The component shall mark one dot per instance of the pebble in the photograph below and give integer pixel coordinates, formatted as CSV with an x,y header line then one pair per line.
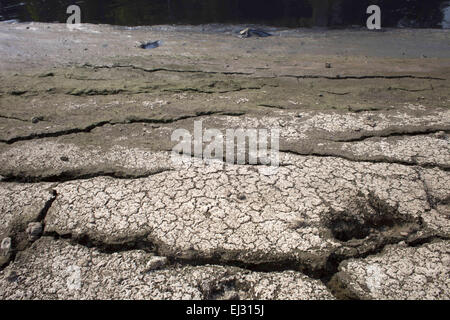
x,y
156,262
11,276
403,234
36,119
440,135
6,245
327,65
34,230
242,196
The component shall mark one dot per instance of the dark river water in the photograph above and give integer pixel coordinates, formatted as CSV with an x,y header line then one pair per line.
x,y
287,13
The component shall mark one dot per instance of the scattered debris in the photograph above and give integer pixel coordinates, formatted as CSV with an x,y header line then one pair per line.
x,y
241,100
149,45
247,33
158,103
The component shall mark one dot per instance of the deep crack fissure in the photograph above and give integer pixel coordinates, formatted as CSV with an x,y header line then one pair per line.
x,y
396,133
41,219
145,243
372,160
87,65
349,77
91,127
337,77
73,175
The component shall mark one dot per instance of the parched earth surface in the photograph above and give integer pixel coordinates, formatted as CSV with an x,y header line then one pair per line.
x,y
92,205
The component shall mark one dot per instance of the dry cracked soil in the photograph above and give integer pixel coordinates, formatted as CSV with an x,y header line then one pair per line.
x,y
93,207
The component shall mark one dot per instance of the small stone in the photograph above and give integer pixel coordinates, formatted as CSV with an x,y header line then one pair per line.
x,y
46,74
156,262
298,223
37,119
440,135
11,276
403,234
242,196
64,158
34,230
327,65
299,115
5,246
230,295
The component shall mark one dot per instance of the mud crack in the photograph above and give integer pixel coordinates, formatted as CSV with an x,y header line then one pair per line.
x,y
350,77
72,175
91,127
20,240
160,69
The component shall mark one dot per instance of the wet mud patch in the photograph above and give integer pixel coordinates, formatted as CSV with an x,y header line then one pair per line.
x,y
227,288
369,217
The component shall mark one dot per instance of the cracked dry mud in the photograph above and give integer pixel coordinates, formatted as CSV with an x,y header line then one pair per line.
x,y
92,207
